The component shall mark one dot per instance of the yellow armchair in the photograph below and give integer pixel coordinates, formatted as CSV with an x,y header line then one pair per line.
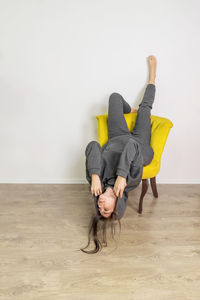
x,y
160,128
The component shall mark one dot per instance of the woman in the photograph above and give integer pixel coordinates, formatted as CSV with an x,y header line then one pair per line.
x,y
118,165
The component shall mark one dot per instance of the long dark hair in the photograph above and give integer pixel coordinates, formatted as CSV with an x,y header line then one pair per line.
x,y
99,225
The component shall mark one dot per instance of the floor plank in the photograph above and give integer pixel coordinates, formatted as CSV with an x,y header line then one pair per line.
x,y
43,226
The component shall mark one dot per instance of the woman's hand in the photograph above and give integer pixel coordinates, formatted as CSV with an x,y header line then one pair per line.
x,y
119,186
96,187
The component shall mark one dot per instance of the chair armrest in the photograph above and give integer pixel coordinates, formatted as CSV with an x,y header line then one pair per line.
x,y
159,133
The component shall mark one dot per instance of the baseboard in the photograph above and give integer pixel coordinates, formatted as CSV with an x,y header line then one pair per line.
x,y
84,181
178,181
53,181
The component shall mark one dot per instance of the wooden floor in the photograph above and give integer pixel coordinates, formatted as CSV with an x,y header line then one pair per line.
x,y
42,228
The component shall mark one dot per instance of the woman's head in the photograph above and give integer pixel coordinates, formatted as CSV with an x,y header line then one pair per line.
x,y
107,216
107,202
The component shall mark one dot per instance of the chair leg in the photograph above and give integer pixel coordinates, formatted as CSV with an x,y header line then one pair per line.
x,y
154,187
144,190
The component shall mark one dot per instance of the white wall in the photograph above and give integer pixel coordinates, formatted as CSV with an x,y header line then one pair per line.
x,y
61,59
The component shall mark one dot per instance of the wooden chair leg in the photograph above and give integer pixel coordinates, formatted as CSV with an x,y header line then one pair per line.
x,y
154,187
145,185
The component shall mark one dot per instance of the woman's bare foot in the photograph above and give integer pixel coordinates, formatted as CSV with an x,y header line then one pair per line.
x,y
152,68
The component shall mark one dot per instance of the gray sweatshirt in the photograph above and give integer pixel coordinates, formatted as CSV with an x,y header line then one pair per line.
x,y
121,155
124,154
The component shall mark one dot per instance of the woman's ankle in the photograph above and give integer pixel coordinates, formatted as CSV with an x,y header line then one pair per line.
x,y
151,82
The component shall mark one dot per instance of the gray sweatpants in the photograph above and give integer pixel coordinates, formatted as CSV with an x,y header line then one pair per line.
x,y
142,131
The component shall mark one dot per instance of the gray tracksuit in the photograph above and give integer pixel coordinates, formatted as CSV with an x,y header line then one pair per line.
x,y
125,153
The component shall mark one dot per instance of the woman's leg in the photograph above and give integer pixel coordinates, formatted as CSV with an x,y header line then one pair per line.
x,y
116,122
142,129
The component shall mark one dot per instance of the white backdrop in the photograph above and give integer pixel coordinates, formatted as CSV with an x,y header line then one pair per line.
x,y
61,59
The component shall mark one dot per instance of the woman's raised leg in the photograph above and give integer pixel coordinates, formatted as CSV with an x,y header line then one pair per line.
x,y
142,129
116,122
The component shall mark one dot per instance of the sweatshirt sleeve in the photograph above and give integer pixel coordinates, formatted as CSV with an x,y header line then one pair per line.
x,y
93,153
128,155
131,165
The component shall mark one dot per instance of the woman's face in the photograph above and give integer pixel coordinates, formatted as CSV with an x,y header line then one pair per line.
x,y
106,204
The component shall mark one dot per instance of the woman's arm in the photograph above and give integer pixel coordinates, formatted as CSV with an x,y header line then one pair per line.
x,y
93,164
120,184
96,187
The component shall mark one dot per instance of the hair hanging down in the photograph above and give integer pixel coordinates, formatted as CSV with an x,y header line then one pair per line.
x,y
99,224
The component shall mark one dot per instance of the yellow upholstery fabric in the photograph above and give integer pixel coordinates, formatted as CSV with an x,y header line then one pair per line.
x,y
160,128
